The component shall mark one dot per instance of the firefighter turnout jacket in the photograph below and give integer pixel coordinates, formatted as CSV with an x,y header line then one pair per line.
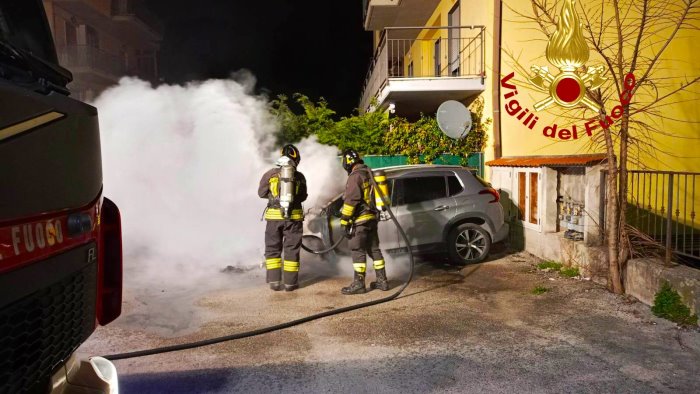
x,y
270,188
358,205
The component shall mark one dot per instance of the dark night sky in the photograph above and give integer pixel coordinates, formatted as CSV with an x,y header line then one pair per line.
x,y
315,47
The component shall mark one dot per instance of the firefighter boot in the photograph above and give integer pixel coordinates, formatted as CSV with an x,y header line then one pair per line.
x,y
357,286
381,283
276,286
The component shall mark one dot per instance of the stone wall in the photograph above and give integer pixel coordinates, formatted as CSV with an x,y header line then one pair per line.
x,y
643,279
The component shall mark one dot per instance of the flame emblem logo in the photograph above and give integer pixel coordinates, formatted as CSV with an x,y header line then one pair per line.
x,y
568,51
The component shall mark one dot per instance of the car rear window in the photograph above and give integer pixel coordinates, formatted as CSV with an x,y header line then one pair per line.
x,y
453,185
419,189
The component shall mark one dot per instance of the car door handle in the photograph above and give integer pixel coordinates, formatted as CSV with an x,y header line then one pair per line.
x,y
442,208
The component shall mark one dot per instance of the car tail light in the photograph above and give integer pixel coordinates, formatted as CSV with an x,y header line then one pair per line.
x,y
493,192
109,297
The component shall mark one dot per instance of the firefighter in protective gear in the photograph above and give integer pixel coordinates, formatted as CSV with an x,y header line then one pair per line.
x,y
283,233
359,217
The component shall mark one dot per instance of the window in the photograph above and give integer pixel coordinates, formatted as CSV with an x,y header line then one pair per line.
x,y
454,186
390,187
522,194
454,41
528,197
146,64
91,37
71,34
436,55
419,189
533,216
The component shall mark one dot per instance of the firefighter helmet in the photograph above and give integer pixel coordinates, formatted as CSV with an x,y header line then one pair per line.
x,y
350,158
292,152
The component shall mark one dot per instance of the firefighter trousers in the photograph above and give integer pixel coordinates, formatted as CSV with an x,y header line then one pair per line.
x,y
283,235
365,241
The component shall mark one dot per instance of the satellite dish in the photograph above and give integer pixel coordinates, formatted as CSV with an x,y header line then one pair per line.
x,y
454,119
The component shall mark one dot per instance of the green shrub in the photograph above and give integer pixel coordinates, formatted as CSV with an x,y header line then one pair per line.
x,y
569,272
374,132
552,265
539,290
424,137
668,305
315,118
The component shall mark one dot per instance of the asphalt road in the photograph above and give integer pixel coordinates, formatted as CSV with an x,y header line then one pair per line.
x,y
478,329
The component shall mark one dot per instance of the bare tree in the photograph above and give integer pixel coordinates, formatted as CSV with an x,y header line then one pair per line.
x,y
630,37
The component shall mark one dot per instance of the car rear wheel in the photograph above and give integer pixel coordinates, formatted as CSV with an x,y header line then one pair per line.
x,y
468,243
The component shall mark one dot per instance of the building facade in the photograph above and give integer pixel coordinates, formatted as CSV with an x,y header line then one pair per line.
x,y
546,160
100,41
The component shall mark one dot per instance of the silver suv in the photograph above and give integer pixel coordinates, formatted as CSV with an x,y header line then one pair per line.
x,y
442,209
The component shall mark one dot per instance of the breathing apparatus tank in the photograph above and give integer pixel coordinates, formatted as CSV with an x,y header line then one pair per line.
x,y
383,185
286,183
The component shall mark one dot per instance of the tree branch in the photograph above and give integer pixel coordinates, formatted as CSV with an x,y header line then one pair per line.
x,y
683,87
619,37
642,25
689,6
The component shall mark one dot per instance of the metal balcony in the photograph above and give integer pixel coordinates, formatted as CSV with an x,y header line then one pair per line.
x,y
87,59
127,20
417,68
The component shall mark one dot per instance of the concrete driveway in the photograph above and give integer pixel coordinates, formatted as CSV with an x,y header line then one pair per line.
x,y
476,329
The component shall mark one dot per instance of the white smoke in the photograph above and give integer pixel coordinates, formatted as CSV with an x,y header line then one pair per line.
x,y
183,164
324,174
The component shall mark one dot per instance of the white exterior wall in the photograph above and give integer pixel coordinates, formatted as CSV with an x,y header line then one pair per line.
x,y
543,240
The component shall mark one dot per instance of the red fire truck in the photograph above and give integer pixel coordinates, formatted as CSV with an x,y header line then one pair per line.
x,y
60,239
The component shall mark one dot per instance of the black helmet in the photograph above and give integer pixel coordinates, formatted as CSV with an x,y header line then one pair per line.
x,y
350,158
292,152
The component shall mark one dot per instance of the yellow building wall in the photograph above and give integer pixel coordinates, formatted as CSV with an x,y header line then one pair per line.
x,y
676,148
524,44
472,13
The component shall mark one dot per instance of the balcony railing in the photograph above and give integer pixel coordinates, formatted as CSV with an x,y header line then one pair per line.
x,y
136,9
76,57
425,52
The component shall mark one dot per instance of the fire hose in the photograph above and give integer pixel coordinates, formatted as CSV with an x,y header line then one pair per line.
x,y
292,323
324,251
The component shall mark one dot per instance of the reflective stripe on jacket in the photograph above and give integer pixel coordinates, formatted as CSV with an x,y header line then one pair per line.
x,y
357,203
276,214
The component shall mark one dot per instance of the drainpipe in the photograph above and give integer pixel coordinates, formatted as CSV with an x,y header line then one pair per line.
x,y
496,79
